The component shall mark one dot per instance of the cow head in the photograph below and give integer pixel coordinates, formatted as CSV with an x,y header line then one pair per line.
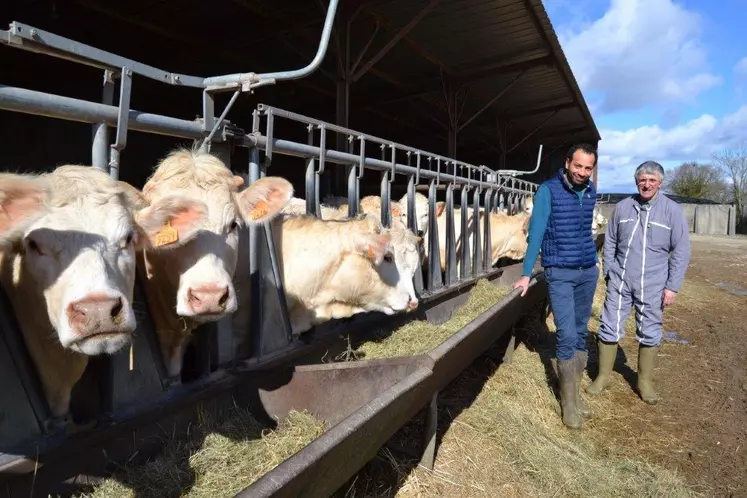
x,y
367,276
199,274
421,213
513,232
399,273
79,252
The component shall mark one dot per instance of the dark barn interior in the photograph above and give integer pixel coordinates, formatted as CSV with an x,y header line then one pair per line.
x,y
481,81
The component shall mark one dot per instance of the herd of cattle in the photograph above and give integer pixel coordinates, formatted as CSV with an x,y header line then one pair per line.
x,y
74,239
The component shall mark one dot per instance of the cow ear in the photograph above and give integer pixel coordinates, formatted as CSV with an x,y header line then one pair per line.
x,y
373,246
21,202
170,222
440,206
264,199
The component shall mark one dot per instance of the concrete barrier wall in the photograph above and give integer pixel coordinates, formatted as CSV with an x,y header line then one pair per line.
x,y
702,219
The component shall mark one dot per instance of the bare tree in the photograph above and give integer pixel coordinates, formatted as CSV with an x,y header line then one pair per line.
x,y
734,163
702,181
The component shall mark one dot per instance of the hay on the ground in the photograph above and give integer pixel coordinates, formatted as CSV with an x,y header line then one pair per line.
x,y
510,441
420,336
219,459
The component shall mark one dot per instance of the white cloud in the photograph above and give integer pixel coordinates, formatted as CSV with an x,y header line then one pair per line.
x,y
640,53
621,151
741,67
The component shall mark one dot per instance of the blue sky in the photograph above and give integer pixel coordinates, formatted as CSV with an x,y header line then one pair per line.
x,y
665,80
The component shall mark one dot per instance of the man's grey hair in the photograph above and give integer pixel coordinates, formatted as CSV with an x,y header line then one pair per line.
x,y
650,168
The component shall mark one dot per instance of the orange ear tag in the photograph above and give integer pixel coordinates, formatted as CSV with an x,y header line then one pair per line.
x,y
167,235
260,209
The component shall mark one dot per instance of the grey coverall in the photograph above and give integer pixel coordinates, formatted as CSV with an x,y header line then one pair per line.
x,y
646,250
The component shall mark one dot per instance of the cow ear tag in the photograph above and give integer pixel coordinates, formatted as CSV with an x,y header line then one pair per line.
x,y
259,210
167,235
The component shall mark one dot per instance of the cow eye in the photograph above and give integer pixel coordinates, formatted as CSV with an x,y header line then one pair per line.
x,y
129,239
233,226
389,257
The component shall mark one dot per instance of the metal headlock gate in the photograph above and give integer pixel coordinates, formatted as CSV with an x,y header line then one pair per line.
x,y
368,401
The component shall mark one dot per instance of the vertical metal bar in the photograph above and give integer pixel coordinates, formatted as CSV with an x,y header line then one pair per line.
x,y
488,248
208,111
412,220
451,266
256,317
464,259
385,209
125,90
311,185
353,186
100,147
476,246
434,257
320,170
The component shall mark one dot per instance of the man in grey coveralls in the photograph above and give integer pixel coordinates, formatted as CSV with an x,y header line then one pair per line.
x,y
646,253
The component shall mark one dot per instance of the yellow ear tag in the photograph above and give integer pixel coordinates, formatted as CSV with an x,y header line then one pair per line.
x,y
260,209
167,235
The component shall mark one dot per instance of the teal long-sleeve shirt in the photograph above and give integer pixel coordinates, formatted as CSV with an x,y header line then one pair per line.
x,y
538,225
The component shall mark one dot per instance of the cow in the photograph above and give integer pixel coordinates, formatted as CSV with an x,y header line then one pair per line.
x,y
598,221
335,269
421,212
508,235
71,245
192,284
370,204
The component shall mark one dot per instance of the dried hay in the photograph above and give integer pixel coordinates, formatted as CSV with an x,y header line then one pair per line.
x,y
420,336
502,436
220,458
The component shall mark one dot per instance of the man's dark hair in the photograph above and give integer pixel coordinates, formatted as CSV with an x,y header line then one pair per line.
x,y
585,148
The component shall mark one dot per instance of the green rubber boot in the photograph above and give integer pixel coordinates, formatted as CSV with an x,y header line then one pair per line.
x,y
646,362
583,408
568,396
607,354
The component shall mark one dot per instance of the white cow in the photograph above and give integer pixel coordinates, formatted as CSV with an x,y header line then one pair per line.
x,y
192,284
75,252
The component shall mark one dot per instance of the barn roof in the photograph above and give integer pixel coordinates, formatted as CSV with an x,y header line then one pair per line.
x,y
485,65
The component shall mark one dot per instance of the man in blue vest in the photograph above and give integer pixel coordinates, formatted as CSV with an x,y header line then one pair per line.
x,y
561,226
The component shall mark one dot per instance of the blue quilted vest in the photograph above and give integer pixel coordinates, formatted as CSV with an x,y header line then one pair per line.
x,y
568,242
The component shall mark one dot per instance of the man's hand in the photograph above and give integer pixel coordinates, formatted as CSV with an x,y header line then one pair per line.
x,y
523,282
668,298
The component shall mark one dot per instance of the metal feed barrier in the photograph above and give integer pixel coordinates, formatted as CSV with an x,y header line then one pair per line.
x,y
131,399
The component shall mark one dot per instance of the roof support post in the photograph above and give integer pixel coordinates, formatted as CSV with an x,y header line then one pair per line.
x,y
502,128
343,23
396,38
453,118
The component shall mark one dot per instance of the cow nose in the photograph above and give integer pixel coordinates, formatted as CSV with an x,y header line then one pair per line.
x,y
412,305
208,299
95,314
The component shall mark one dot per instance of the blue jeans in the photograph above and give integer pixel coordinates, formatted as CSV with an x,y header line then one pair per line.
x,y
571,294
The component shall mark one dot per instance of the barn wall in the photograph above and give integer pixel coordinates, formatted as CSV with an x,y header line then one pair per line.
x,y
702,219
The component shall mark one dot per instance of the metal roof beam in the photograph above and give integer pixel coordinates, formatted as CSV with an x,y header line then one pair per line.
x,y
430,85
481,73
401,33
492,101
531,111
529,135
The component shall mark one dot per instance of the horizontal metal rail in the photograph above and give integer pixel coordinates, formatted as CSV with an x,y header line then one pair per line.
x,y
25,37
